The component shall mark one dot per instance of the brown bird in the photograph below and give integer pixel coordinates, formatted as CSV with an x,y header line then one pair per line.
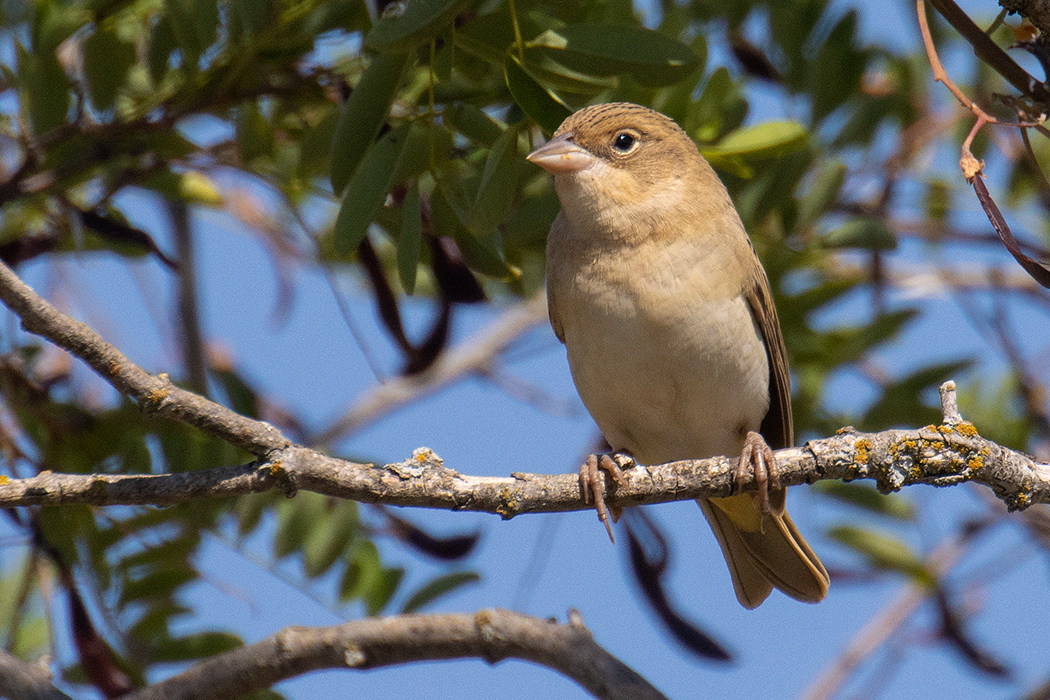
x,y
672,337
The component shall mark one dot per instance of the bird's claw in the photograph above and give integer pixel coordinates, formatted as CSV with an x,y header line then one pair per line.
x,y
756,457
591,486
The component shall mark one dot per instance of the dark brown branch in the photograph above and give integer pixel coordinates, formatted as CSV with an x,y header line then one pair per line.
x,y
1039,272
990,52
492,635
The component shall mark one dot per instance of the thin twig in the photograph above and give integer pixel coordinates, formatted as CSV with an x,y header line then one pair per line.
x,y
969,164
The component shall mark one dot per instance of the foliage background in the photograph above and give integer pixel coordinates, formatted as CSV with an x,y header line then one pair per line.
x,y
139,117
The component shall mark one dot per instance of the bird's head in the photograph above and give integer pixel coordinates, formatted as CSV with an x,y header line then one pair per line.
x,y
620,162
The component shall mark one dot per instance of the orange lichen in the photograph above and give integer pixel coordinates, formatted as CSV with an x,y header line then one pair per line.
x,y
862,449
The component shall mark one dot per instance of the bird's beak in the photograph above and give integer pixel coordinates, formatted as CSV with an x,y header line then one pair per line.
x,y
561,155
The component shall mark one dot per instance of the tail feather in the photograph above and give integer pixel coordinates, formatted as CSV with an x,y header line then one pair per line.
x,y
761,558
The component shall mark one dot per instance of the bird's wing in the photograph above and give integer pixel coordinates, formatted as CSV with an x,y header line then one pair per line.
x,y
553,272
777,426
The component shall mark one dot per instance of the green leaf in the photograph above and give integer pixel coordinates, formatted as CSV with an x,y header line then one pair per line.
x,y
427,148
884,552
162,42
720,109
563,78
540,104
473,123
297,519
651,58
409,241
362,570
825,190
46,89
363,115
868,498
248,18
107,60
368,190
250,510
195,24
829,86
405,24
331,539
479,256
442,585
383,589
195,646
899,404
868,233
767,140
160,584
253,134
498,185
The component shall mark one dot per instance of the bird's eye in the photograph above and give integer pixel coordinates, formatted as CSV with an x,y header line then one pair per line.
x,y
624,142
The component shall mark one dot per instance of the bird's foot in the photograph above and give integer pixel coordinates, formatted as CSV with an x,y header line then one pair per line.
x,y
591,484
758,458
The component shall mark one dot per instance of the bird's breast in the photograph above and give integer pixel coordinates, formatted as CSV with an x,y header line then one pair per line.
x,y
663,349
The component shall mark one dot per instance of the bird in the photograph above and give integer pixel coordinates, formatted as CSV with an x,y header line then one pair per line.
x,y
670,329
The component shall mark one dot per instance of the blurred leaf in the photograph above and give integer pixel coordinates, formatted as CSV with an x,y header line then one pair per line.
x,y
720,109
611,49
477,254
498,184
368,189
162,42
409,241
540,104
362,570
884,552
363,115
440,586
406,24
767,140
825,190
46,89
253,134
250,510
836,72
107,60
159,584
195,24
383,588
194,646
475,124
899,403
191,186
868,498
560,77
868,233
297,520
331,538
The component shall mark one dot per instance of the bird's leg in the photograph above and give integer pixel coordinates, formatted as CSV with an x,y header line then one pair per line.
x,y
758,458
590,484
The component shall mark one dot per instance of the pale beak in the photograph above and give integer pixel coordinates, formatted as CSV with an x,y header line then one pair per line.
x,y
561,155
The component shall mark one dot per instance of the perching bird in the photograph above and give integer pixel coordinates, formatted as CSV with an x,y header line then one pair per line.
x,y
668,321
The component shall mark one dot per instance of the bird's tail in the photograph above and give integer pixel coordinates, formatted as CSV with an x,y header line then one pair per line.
x,y
764,552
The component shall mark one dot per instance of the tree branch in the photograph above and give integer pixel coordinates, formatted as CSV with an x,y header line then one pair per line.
x,y
154,393
26,681
938,455
491,634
